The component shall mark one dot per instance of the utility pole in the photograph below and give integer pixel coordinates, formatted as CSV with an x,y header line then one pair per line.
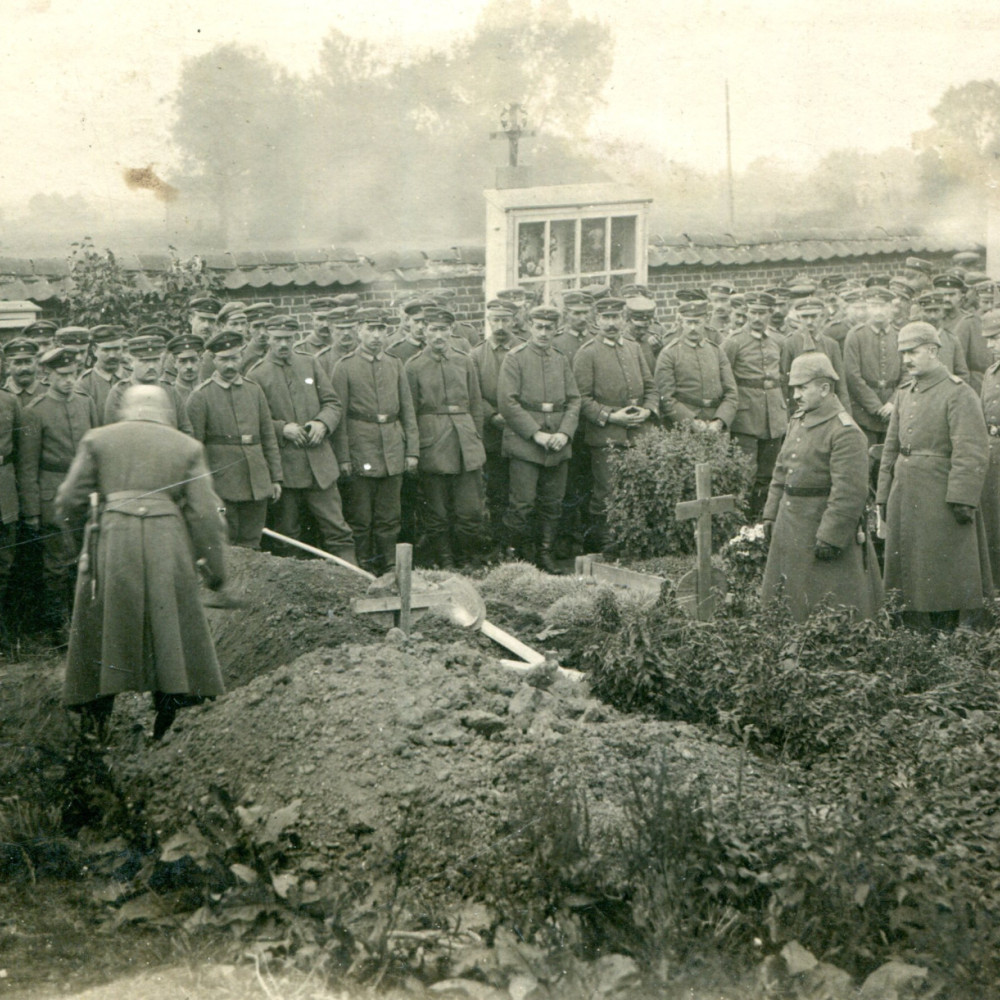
x,y
729,164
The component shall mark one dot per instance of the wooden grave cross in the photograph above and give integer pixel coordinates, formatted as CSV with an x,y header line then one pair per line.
x,y
702,508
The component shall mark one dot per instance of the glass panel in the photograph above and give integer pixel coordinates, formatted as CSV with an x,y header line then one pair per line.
x,y
556,289
535,290
530,243
592,242
623,242
562,251
619,281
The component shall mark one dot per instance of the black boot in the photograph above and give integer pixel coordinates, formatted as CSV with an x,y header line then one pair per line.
x,y
546,562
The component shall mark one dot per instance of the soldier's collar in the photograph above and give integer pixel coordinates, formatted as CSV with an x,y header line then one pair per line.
x,y
368,356
107,376
610,341
939,374
826,410
219,380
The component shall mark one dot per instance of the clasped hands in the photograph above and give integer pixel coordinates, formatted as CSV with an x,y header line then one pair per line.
x,y
306,435
550,442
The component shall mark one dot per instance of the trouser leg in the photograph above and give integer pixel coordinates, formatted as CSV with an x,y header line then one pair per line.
x,y
548,503
497,488
411,509
467,505
519,519
385,520
246,519
575,517
327,510
436,491
60,548
360,494
600,472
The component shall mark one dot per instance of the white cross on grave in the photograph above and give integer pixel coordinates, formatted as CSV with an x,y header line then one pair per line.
x,y
697,589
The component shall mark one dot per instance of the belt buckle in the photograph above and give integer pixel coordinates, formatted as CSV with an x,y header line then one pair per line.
x,y
453,408
633,402
548,407
246,439
882,383
994,432
706,403
382,418
769,383
905,450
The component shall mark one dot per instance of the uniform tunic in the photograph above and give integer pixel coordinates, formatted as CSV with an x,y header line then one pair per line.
x,y
25,396
97,384
145,629
817,494
569,342
11,432
695,382
330,356
800,342
990,504
936,453
234,423
756,362
968,333
872,369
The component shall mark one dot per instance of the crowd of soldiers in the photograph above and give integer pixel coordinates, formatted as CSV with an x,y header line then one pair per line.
x,y
365,426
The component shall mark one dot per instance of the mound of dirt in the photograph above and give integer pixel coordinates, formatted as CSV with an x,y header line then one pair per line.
x,y
439,734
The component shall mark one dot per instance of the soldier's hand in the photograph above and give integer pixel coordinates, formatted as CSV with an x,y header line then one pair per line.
x,y
621,417
275,492
345,470
558,441
886,411
316,431
295,433
962,513
825,552
541,438
411,463
699,425
497,420
33,523
716,426
768,527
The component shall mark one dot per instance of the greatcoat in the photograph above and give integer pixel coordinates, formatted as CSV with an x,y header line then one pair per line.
x,y
817,494
144,628
936,452
990,504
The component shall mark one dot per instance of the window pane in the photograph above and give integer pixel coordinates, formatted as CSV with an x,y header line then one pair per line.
x,y
619,281
530,241
557,289
592,239
623,242
562,250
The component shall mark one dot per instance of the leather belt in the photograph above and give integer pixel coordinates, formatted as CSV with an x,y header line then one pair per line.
x,y
451,410
759,383
241,439
373,418
544,407
908,451
139,503
807,491
882,383
698,404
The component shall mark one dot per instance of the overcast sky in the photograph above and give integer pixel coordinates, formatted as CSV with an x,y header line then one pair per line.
x,y
85,82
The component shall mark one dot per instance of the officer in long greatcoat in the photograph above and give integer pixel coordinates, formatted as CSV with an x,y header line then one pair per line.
x,y
930,484
449,408
376,441
540,404
305,411
819,551
138,623
230,416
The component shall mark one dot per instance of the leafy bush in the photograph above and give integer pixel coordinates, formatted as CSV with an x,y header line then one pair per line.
x,y
650,479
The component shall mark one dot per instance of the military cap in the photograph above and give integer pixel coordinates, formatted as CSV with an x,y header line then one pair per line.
x,y
991,323
808,305
738,301
609,306
597,291
445,294
950,281
439,315
282,321
919,264
512,294
59,356
879,293
106,333
224,340
691,295
257,312
73,336
576,297
696,308
148,341
40,328
498,305
322,304
641,304
810,365
229,310
853,293
422,302
931,298
903,286
877,281
832,281
343,316
973,279
20,347
914,334
546,313
759,299
801,290
186,342
346,300
721,288
205,305
966,258
371,315
635,292
779,292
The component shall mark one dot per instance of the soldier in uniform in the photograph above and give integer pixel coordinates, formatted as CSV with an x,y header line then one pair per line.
x,y
43,333
693,377
933,310
465,336
305,411
449,407
413,338
872,370
762,415
990,503
488,358
11,434
519,299
719,310
540,406
930,483
966,329
54,425
344,338
639,314
618,399
808,315
186,350
577,323
77,340
255,348
230,416
108,344
819,551
145,351
138,622
320,337
20,357
202,311
375,442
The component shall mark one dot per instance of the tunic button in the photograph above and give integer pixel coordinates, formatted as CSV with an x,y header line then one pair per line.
x,y
143,510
